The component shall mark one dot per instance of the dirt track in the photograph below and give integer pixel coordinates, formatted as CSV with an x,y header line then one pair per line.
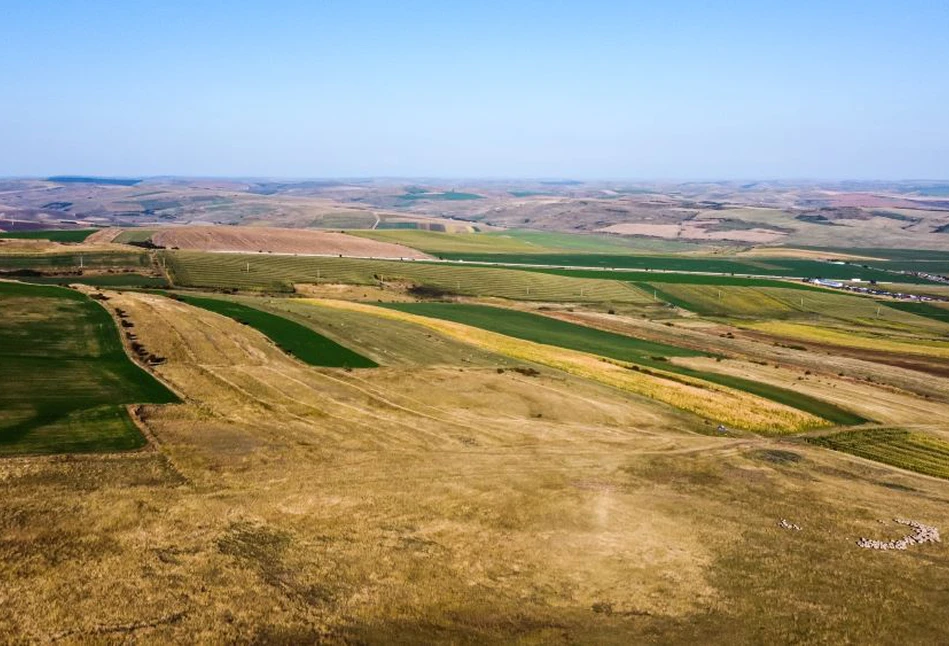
x,y
258,239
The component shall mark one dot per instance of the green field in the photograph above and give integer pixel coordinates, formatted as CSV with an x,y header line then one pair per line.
x,y
934,312
900,448
72,261
520,242
291,337
65,375
550,331
930,261
74,235
674,277
344,220
778,267
391,342
103,280
541,329
134,235
279,273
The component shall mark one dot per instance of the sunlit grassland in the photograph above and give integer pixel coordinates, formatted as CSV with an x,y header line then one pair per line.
x,y
649,354
708,400
389,342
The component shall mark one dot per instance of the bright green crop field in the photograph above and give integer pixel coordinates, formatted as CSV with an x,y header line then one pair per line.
x,y
102,280
53,235
291,337
65,375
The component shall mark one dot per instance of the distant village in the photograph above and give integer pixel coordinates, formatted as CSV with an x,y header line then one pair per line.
x,y
871,287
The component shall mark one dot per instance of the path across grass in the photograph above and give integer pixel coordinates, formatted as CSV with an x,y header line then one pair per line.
x,y
549,331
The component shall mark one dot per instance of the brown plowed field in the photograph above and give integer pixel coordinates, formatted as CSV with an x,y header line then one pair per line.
x,y
264,239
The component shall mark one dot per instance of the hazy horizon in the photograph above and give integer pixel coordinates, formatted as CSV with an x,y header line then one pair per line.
x,y
604,91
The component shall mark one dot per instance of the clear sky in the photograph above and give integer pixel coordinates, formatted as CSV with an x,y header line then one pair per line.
x,y
593,89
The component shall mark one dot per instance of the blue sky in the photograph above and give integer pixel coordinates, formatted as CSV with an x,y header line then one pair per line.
x,y
596,89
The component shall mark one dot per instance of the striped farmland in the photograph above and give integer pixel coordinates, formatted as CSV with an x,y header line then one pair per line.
x,y
279,272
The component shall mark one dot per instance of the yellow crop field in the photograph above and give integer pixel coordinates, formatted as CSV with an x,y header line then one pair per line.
x,y
718,403
850,339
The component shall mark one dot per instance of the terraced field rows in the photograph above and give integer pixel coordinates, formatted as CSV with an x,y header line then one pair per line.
x,y
904,449
71,261
778,303
279,273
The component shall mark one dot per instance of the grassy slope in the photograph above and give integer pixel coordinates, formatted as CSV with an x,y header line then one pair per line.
x,y
292,337
75,235
541,329
390,342
923,309
905,449
65,375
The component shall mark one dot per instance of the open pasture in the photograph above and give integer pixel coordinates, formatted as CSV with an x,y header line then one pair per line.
x,y
66,376
279,273
901,448
389,342
556,332
703,398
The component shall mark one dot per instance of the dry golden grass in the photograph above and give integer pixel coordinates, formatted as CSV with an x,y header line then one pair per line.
x,y
718,403
287,504
881,403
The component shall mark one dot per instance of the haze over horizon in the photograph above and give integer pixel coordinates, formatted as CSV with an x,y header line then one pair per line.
x,y
606,89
